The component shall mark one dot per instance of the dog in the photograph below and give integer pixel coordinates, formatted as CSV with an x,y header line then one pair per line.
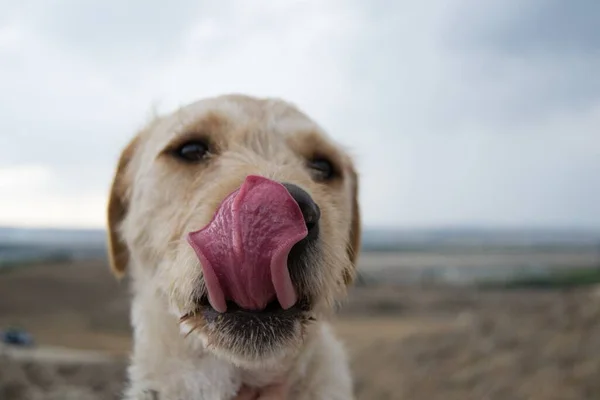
x,y
237,221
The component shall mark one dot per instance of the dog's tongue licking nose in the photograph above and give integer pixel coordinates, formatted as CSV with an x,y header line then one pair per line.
x,y
244,249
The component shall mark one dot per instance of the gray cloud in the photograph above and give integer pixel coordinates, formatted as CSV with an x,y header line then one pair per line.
x,y
118,31
527,59
456,113
551,28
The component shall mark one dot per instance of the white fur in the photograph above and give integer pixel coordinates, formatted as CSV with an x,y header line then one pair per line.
x,y
168,364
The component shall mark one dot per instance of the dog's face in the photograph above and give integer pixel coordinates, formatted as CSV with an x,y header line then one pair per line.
x,y
196,209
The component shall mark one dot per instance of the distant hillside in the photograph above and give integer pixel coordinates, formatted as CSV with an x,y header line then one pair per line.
x,y
94,240
26,245
455,255
52,236
472,238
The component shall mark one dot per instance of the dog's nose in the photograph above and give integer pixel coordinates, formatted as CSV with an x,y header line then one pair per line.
x,y
310,209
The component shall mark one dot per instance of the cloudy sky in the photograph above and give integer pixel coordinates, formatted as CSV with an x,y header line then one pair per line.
x,y
458,112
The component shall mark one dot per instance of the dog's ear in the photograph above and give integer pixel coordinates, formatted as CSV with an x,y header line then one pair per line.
x,y
354,241
118,204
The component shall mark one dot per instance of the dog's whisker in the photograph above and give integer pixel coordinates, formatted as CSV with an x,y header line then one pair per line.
x,y
177,241
198,325
185,318
188,316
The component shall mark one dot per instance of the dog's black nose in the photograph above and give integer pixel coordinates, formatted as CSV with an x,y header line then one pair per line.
x,y
310,209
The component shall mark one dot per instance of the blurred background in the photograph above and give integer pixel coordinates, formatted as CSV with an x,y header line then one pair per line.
x,y
475,128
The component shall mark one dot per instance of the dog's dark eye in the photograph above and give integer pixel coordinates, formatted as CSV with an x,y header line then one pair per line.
x,y
194,151
322,169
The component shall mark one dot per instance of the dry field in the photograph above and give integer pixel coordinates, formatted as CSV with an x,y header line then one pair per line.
x,y
405,343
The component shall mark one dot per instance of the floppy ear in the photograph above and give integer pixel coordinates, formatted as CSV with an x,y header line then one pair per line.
x,y
118,204
353,246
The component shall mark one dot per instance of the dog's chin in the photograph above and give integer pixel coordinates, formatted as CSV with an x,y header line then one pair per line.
x,y
251,338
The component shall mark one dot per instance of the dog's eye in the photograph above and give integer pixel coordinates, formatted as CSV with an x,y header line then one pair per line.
x,y
193,151
322,169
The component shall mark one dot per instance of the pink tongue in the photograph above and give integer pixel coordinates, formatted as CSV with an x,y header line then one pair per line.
x,y
243,250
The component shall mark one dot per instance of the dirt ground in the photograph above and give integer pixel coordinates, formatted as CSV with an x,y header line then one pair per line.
x,y
404,343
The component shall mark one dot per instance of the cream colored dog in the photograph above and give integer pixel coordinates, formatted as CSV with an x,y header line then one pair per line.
x,y
238,220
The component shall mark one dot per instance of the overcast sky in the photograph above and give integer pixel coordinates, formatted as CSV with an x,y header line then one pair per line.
x,y
458,112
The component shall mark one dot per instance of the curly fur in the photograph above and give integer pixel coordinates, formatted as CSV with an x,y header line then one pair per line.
x,y
182,351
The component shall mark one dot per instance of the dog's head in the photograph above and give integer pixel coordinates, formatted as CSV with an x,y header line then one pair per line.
x,y
243,216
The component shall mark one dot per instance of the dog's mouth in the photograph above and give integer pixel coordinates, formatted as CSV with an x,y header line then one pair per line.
x,y
252,305
243,250
272,311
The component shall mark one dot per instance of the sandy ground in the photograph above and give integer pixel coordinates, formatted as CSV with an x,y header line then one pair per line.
x,y
404,343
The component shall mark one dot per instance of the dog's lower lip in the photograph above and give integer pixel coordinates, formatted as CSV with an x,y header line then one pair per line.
x,y
272,309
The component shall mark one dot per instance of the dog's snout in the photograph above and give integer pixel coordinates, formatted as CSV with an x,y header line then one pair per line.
x,y
310,209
